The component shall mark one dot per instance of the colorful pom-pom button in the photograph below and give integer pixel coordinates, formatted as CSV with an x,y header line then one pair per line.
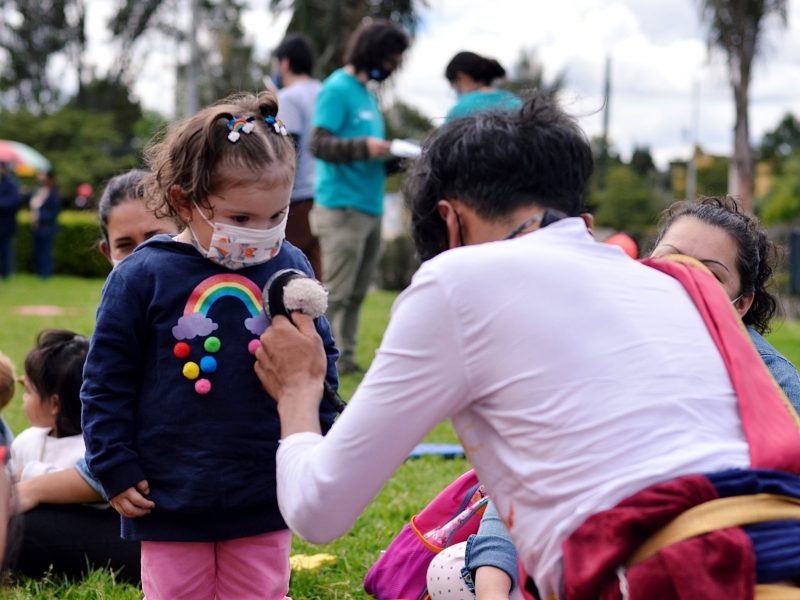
x,y
191,370
182,350
208,364
253,346
212,344
202,386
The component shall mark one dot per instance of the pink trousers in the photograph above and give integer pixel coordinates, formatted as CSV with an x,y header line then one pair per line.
x,y
251,568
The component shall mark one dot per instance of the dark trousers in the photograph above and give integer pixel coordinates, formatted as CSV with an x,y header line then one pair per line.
x,y
298,232
43,252
67,536
6,255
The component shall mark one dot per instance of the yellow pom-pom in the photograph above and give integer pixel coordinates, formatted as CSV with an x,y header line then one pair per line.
x,y
191,370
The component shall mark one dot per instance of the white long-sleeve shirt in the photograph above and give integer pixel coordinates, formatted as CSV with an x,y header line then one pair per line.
x,y
574,377
35,452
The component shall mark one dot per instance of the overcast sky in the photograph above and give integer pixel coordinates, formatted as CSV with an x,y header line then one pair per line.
x,y
657,48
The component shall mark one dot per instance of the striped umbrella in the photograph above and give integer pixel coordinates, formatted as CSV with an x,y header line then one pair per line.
x,y
27,161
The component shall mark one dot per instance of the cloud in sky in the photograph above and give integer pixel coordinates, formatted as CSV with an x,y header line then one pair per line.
x,y
657,47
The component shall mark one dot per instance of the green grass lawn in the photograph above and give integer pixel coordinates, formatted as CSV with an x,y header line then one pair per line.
x,y
407,492
414,485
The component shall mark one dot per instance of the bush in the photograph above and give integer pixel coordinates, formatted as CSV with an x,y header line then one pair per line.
x,y
75,249
398,264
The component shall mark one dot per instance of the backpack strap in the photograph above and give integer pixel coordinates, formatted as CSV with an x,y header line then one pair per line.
x,y
771,426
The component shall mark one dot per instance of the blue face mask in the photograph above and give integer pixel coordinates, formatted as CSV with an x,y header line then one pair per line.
x,y
276,78
379,74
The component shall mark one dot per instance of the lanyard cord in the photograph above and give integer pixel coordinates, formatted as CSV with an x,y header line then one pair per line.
x,y
524,226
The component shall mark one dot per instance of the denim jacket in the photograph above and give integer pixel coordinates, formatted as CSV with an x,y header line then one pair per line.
x,y
782,370
490,547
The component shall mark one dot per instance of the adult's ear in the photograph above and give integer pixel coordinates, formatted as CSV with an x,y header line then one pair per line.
x,y
106,250
744,304
588,218
448,213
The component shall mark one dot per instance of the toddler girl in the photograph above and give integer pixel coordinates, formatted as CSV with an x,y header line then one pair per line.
x,y
178,429
53,373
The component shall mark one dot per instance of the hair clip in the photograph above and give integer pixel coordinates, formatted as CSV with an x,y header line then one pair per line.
x,y
238,124
277,125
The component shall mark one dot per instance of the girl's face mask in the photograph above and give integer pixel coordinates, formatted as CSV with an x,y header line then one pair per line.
x,y
238,247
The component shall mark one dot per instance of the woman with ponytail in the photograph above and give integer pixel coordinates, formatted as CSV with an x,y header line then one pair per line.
x,y
739,253
471,76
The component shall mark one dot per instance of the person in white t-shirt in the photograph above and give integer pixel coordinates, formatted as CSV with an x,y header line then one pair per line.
x,y
574,376
294,60
52,380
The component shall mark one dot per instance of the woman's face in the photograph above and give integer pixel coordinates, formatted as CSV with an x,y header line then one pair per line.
x,y
711,246
130,224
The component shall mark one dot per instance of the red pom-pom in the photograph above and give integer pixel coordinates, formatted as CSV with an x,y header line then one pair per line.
x,y
182,350
253,346
202,386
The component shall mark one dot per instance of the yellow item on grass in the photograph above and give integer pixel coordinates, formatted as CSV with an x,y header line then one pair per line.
x,y
304,562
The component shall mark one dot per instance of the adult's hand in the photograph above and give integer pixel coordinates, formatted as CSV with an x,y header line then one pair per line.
x,y
291,365
377,147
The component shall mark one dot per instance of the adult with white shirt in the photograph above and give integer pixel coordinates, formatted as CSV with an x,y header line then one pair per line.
x,y
574,376
294,59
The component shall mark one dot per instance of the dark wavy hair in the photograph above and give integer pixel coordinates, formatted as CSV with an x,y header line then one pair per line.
x,y
54,367
496,162
757,255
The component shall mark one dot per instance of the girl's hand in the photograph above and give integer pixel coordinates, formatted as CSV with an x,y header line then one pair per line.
x,y
131,503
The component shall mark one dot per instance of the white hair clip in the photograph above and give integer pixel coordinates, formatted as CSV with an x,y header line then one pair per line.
x,y
238,124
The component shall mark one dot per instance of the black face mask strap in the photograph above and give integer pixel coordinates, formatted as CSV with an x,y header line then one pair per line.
x,y
523,226
460,231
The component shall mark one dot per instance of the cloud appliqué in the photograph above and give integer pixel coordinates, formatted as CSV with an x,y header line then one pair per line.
x,y
195,324
258,324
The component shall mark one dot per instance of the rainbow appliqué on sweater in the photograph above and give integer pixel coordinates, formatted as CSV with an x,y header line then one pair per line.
x,y
195,323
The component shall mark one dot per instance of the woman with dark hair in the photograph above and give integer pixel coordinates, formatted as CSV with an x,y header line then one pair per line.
x,y
739,253
571,396
348,140
471,76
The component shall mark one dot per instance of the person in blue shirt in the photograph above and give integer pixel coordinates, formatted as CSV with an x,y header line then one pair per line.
x,y
45,205
739,252
471,76
348,141
10,201
178,428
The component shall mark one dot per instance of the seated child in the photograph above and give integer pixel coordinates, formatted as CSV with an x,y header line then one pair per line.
x,y
53,377
8,379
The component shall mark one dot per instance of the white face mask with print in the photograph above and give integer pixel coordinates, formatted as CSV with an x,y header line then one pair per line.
x,y
238,247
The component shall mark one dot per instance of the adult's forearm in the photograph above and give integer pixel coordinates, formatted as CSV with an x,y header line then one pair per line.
x,y
326,146
61,487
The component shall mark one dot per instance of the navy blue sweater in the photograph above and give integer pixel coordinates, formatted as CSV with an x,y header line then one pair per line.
x,y
172,324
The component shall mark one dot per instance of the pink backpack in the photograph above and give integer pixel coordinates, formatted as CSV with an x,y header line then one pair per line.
x,y
450,518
